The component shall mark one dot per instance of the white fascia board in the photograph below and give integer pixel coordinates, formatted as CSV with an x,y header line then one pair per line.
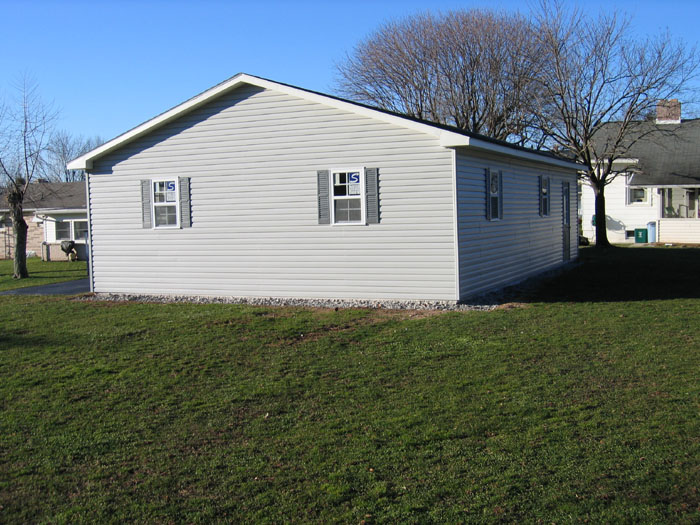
x,y
524,154
665,186
620,163
60,211
449,139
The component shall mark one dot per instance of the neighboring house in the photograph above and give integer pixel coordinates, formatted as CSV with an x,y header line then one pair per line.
x,y
53,211
658,182
258,189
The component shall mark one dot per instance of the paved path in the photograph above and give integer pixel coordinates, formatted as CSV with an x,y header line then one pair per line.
x,y
67,288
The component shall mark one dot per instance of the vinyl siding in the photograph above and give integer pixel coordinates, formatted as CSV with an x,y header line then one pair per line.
x,y
493,254
679,230
253,156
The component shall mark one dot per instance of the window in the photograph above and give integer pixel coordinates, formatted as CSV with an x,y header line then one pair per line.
x,y
494,195
63,230
165,204
80,230
544,196
348,196
637,195
71,230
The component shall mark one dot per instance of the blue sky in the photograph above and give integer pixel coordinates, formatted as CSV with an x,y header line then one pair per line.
x,y
108,66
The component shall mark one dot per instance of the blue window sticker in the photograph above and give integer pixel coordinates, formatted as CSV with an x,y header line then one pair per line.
x,y
354,178
171,185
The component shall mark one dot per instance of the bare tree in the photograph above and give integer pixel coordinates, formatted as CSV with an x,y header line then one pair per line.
x,y
25,129
470,69
62,148
597,76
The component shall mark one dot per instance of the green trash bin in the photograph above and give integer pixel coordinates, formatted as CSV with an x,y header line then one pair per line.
x,y
640,235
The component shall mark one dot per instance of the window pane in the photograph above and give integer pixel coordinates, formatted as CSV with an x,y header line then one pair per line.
x,y
494,183
164,191
166,215
340,190
346,183
158,192
348,210
63,231
80,230
494,208
637,194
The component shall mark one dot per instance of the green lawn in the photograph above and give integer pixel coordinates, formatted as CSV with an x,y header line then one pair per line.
x,y
41,272
567,407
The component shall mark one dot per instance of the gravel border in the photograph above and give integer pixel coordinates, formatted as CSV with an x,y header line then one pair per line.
x,y
288,301
485,302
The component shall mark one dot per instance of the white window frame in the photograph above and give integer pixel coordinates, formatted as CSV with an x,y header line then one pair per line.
x,y
628,200
72,230
362,196
155,204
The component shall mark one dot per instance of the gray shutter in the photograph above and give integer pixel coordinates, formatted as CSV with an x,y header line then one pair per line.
x,y
372,195
146,204
500,195
324,209
488,194
539,193
185,208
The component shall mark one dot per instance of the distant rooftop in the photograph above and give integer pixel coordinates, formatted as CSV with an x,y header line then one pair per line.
x,y
51,196
667,153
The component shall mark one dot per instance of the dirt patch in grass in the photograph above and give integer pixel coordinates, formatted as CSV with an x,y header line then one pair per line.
x,y
512,306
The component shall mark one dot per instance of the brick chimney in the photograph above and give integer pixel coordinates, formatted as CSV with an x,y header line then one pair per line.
x,y
668,111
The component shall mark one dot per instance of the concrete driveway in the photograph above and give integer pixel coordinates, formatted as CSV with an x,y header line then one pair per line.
x,y
67,288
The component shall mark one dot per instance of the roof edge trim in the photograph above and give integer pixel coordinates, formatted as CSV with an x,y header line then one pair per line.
x,y
525,155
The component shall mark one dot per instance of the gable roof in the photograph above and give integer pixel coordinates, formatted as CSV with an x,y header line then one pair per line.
x,y
51,196
665,154
449,136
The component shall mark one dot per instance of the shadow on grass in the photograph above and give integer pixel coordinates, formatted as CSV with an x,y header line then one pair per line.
x,y
22,339
53,275
622,274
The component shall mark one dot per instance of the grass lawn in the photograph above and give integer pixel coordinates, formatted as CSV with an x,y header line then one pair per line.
x,y
579,404
41,272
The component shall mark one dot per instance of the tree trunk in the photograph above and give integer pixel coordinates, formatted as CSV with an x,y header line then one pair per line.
x,y
601,230
20,229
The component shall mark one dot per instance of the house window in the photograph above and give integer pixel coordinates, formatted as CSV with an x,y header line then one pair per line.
x,y
80,230
348,195
629,234
637,195
71,230
544,196
494,195
165,204
63,230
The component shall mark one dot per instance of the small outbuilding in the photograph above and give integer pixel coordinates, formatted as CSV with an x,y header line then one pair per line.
x,y
260,189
